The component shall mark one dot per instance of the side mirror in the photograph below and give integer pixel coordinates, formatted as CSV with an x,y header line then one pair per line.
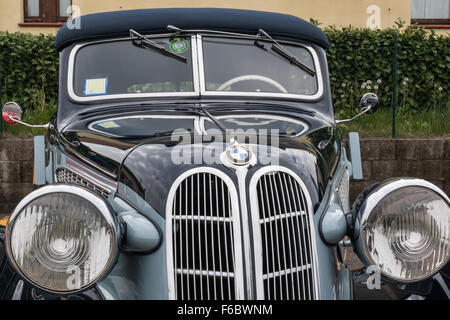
x,y
12,112
369,103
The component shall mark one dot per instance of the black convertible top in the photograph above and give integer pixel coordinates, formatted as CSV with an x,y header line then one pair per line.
x,y
118,23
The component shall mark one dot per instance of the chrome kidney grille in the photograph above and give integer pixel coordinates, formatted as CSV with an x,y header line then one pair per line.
x,y
204,250
282,228
203,224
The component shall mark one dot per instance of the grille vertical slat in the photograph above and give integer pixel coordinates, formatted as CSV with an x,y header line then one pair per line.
x,y
199,239
225,242
213,245
306,245
201,257
299,224
292,209
284,237
286,212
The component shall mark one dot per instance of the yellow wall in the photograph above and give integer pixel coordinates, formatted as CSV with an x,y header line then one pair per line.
x,y
338,12
328,12
11,13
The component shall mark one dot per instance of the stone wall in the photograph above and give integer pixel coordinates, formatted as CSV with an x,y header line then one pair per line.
x,y
16,172
382,158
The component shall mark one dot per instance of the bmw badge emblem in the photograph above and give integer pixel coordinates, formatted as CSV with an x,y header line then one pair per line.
x,y
238,155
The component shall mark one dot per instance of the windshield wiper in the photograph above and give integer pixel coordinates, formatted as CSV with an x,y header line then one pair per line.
x,y
201,110
145,42
285,53
213,119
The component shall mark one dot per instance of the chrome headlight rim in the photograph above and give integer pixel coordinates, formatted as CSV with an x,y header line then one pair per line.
x,y
96,200
377,193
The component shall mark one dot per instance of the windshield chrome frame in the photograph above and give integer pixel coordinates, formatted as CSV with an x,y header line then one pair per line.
x,y
186,94
197,74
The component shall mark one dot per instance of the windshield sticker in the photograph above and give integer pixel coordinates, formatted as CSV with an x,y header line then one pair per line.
x,y
178,45
108,124
95,86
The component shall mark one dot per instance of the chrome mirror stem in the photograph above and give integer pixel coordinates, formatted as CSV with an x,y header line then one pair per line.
x,y
42,126
350,119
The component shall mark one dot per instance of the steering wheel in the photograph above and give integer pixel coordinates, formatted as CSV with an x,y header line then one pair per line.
x,y
230,82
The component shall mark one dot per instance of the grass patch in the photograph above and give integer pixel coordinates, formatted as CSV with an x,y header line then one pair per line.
x,y
408,124
35,116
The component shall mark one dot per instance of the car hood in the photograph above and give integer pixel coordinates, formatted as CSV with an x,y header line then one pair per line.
x,y
148,164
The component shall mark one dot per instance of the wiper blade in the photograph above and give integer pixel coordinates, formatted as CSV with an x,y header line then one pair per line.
x,y
142,41
201,110
214,119
285,53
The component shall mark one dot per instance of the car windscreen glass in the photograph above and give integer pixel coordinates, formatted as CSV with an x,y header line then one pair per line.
x,y
121,67
261,124
244,65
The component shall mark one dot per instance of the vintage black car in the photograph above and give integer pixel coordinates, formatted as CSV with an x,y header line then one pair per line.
x,y
195,155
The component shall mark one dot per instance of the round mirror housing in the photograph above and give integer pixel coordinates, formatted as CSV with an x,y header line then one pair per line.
x,y
12,112
369,102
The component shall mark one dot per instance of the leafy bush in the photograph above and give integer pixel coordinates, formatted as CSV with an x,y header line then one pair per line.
x,y
28,69
360,60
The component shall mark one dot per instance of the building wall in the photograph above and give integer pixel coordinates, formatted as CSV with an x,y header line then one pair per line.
x,y
328,12
11,14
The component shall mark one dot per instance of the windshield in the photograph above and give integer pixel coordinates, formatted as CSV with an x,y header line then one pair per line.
x,y
192,66
247,66
121,67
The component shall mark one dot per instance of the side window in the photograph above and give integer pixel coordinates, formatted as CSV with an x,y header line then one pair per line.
x,y
430,12
49,11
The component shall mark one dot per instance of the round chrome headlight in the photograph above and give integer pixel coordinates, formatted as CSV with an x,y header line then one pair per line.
x,y
405,229
62,238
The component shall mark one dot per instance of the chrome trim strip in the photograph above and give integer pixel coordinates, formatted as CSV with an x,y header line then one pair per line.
x,y
163,116
257,228
241,173
201,71
82,192
262,116
236,228
17,295
76,98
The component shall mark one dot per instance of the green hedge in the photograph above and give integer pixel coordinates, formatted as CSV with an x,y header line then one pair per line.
x,y
29,69
360,60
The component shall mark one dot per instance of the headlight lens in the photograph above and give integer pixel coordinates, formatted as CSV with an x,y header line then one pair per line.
x,y
62,241
407,233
